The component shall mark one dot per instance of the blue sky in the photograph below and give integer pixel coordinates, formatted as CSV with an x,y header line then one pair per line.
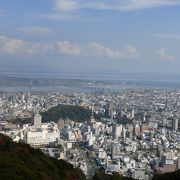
x,y
97,36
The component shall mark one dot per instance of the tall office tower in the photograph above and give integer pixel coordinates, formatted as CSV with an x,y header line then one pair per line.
x,y
175,122
37,120
136,129
1,103
116,131
132,114
109,110
115,149
93,120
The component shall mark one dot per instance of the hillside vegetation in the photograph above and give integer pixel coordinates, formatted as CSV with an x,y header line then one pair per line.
x,y
19,161
167,176
75,113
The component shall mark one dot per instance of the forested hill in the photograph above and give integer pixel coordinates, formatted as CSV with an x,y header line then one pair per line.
x,y
19,161
75,113
168,176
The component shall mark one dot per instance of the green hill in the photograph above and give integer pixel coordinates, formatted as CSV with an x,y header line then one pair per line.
x,y
75,113
167,176
19,161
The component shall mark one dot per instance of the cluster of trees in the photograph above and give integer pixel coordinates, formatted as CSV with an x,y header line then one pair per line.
x,y
100,175
167,176
75,113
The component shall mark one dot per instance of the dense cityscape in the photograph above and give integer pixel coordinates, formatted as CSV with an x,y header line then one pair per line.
x,y
134,132
89,90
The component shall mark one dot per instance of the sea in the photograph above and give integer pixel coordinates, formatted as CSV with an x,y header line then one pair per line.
x,y
101,82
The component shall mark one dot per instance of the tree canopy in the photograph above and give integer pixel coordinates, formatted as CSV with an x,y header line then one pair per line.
x,y
75,113
20,161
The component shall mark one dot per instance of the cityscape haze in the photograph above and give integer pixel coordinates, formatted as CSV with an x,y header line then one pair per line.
x,y
95,85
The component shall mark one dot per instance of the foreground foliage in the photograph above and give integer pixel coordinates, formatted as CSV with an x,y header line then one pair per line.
x,y
168,176
19,161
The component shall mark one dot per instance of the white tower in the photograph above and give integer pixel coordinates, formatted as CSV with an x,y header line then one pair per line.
x,y
132,113
175,124
116,131
37,120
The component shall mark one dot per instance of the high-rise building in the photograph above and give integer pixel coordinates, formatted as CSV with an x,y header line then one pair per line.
x,y
115,149
116,131
37,120
109,110
61,123
102,154
175,124
93,120
136,129
139,174
1,103
132,114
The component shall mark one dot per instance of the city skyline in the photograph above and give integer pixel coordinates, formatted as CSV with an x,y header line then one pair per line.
x,y
68,36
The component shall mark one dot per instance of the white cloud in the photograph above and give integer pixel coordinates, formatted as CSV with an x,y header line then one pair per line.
x,y
11,46
131,5
66,47
66,4
36,30
3,39
131,51
123,5
15,46
18,46
60,16
168,36
39,48
164,55
65,10
100,50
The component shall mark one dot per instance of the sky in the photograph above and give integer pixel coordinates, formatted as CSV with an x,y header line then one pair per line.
x,y
89,37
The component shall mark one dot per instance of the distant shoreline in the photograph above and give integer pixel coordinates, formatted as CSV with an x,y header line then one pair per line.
x,y
19,83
